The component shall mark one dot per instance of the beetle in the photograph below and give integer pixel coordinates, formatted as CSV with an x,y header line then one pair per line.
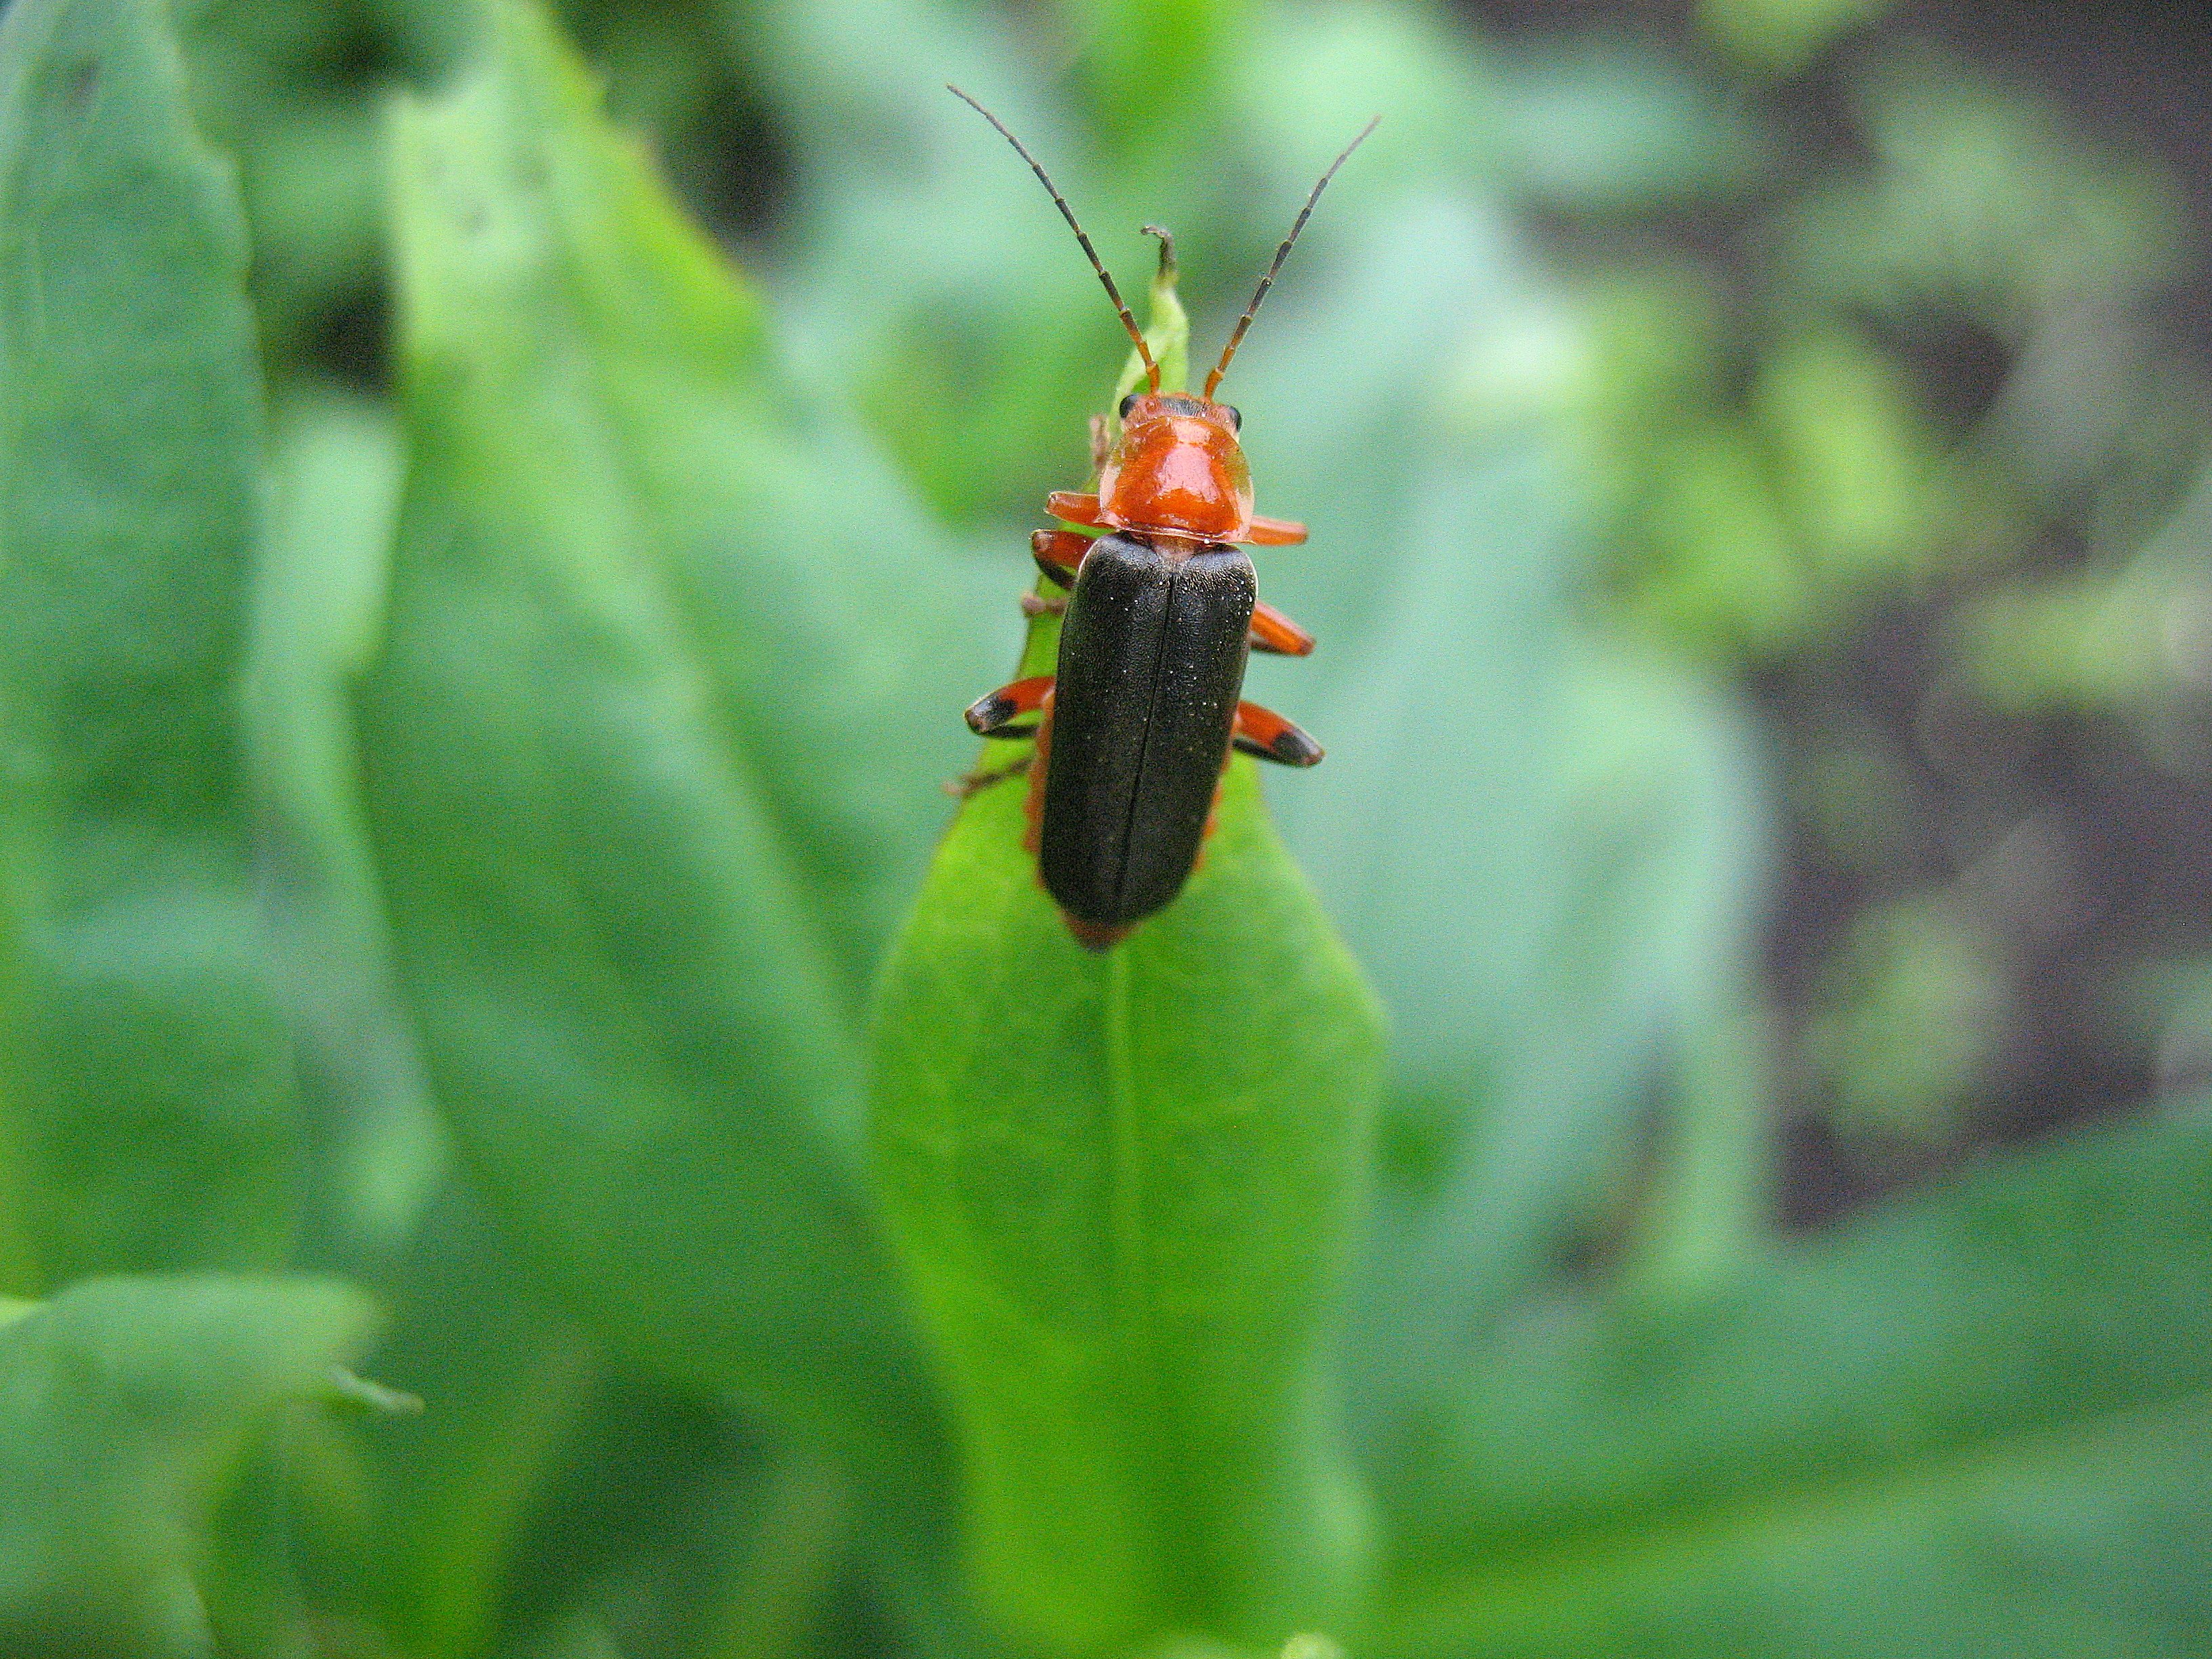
x,y
1136,723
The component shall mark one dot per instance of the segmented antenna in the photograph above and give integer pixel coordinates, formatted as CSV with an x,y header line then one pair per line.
x,y
1281,254
1152,368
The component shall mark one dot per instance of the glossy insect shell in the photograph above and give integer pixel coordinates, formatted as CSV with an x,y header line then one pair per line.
x,y
1152,660
1178,468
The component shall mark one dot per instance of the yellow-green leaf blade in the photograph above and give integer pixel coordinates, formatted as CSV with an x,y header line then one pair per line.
x,y
1125,1186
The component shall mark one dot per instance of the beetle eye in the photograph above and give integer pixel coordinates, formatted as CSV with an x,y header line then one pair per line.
x,y
1235,419
1127,404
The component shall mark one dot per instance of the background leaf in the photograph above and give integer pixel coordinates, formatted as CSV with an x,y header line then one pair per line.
x,y
640,778
1974,1422
504,1379
1488,1185
376,1147
147,1087
124,1404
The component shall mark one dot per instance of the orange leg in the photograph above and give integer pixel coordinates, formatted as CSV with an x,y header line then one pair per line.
x,y
987,716
1272,631
1263,732
1072,508
1057,552
1033,802
1276,533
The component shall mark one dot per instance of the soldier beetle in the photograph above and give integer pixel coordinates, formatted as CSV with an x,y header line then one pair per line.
x,y
1137,722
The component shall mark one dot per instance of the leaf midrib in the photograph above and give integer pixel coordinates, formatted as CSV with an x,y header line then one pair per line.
x,y
1136,1353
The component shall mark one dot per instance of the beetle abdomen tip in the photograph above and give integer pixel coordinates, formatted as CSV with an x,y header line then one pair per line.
x,y
1097,936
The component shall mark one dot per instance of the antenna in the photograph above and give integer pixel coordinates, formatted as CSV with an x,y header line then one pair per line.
x,y
1281,254
1152,368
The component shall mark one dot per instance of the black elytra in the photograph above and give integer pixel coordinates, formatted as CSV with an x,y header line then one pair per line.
x,y
1151,662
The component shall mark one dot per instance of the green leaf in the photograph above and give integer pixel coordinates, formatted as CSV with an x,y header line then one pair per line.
x,y
540,1484
1662,860
1178,52
124,1404
376,1144
504,1379
146,1080
1990,198
295,92
651,748
1857,461
1603,124
1124,1185
1784,37
1977,1421
1908,1026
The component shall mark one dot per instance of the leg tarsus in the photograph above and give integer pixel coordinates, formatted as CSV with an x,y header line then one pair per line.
x,y
987,715
1263,732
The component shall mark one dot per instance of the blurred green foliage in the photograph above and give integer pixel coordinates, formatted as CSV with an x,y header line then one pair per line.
x,y
464,762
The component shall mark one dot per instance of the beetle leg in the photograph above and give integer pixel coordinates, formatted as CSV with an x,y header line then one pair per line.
x,y
1274,632
1263,732
1033,606
974,782
987,716
1072,508
1057,552
1033,800
1275,533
